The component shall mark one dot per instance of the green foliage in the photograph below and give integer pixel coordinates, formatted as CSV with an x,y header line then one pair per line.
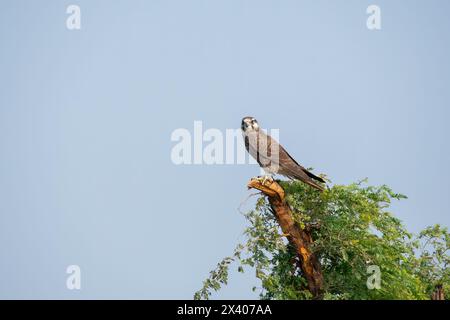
x,y
352,230
433,262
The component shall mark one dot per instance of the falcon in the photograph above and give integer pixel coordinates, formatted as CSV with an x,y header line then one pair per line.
x,y
272,157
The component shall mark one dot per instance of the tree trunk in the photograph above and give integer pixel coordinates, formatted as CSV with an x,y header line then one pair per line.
x,y
298,237
438,294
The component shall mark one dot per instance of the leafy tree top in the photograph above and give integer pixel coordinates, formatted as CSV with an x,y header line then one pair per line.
x,y
352,231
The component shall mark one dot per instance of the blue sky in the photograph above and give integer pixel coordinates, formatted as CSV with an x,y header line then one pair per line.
x,y
86,117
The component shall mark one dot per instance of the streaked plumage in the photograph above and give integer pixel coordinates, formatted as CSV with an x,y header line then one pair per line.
x,y
265,149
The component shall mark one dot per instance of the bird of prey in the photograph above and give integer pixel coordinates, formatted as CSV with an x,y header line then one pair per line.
x,y
272,157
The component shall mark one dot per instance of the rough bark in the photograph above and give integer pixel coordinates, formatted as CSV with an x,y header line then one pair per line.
x,y
438,294
298,237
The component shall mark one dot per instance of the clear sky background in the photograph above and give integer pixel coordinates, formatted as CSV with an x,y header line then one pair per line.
x,y
86,116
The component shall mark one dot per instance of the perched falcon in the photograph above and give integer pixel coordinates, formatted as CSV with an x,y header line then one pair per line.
x,y
272,157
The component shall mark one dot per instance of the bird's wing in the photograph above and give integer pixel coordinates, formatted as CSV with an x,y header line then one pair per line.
x,y
286,157
264,149
261,147
269,147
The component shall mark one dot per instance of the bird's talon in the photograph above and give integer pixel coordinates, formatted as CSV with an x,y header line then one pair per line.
x,y
267,179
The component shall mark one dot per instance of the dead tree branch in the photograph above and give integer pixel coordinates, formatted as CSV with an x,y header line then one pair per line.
x,y
298,237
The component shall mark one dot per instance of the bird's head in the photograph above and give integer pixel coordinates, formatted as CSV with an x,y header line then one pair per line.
x,y
249,124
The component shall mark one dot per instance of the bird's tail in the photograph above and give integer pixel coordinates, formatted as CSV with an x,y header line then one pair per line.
x,y
313,176
314,185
